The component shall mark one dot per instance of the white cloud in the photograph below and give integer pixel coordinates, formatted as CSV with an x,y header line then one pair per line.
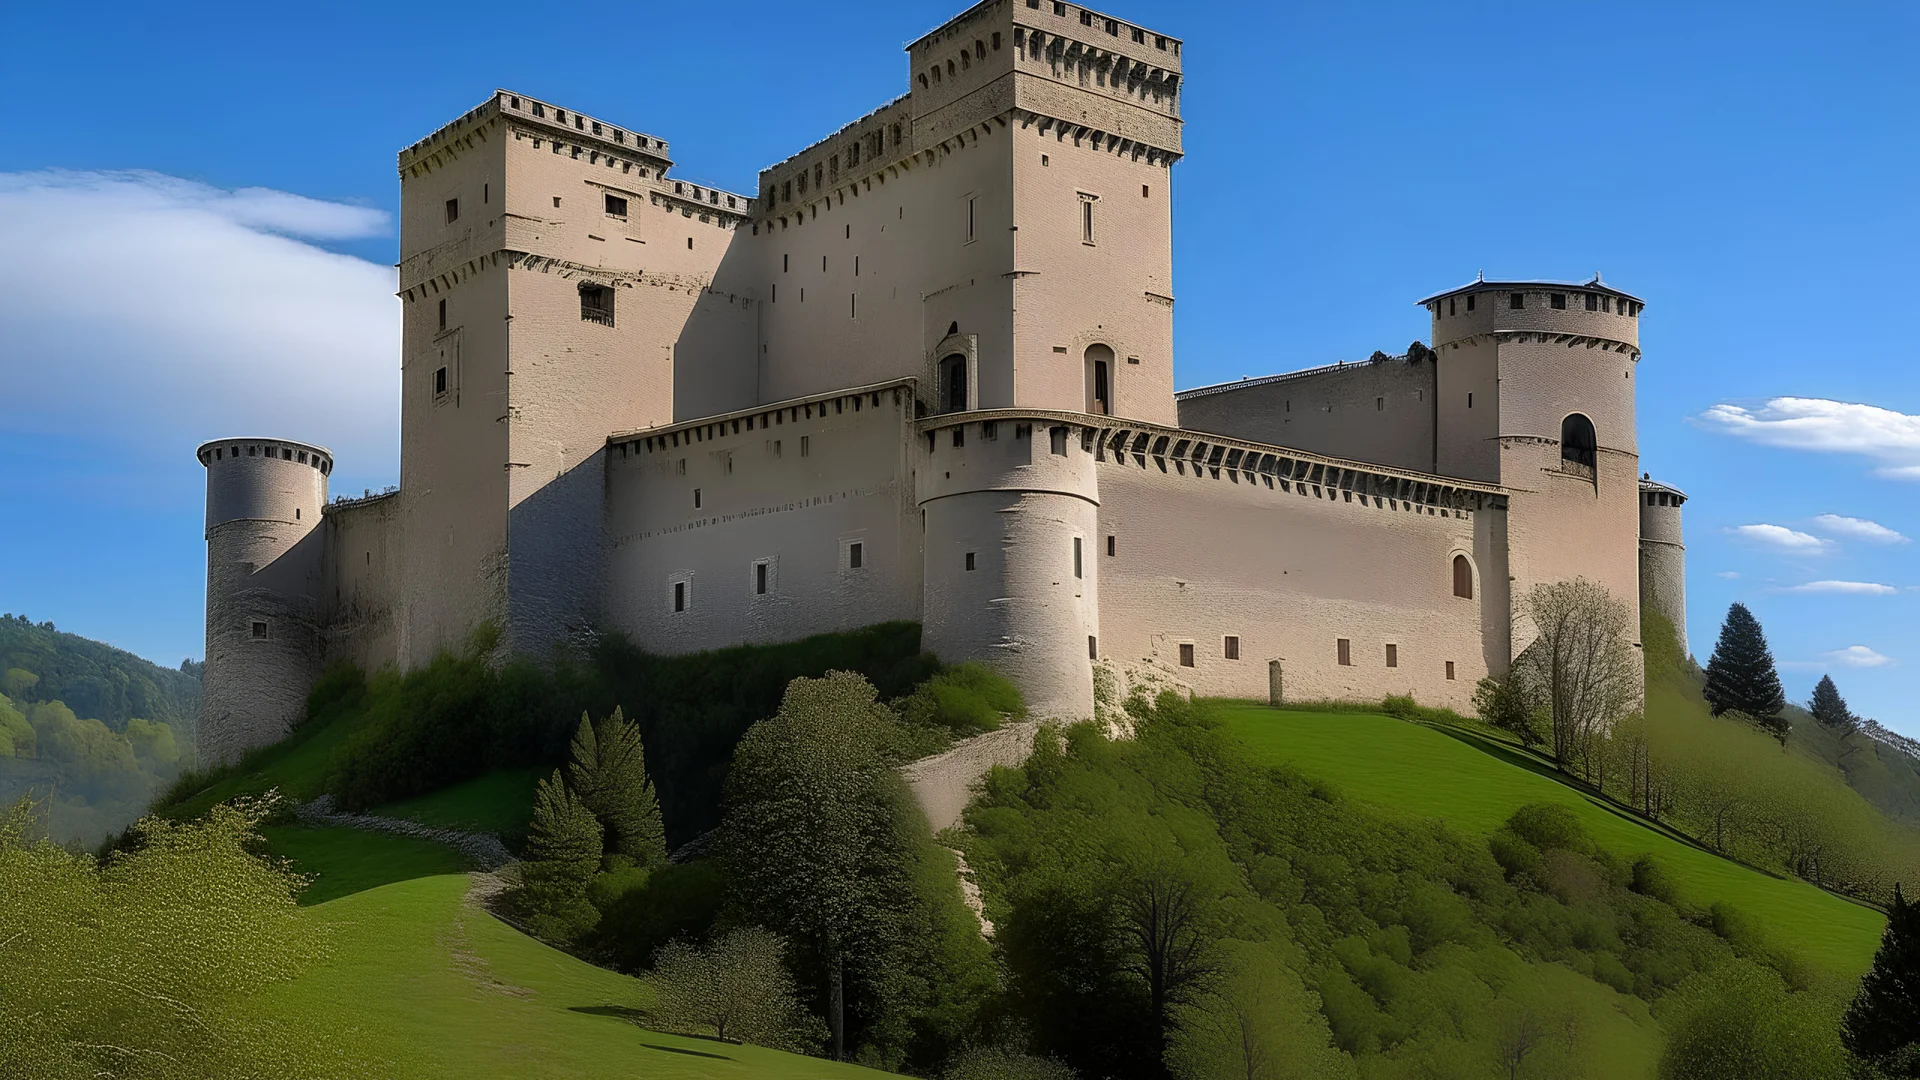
x,y
1858,529
165,312
1781,538
1849,588
1825,426
1858,656
1730,575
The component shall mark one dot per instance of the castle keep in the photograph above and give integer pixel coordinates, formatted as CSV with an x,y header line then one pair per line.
x,y
925,372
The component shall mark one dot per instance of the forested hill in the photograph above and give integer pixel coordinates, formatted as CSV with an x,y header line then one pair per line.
x,y
39,663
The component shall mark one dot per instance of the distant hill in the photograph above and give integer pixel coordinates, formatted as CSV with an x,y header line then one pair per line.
x,y
1882,765
39,663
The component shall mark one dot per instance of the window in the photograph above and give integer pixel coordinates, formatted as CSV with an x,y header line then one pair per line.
x,y
1469,301
439,382
853,305
616,206
1557,301
1059,436
1076,557
1393,656
969,560
1086,217
453,211
696,498
1451,302
760,579
971,212
1462,577
1379,404
1230,647
1578,447
259,629
854,553
556,198
806,445
1449,671
596,304
1099,379
1469,399
953,383
1186,654
1344,648
443,314
1593,302
1516,301
679,596
1110,540
1093,647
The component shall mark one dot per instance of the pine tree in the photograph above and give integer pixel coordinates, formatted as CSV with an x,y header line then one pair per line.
x,y
608,770
1828,707
1741,676
1882,1025
563,852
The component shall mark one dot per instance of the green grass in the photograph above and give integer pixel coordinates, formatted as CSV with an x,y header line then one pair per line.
x,y
297,766
1474,784
498,802
419,983
347,861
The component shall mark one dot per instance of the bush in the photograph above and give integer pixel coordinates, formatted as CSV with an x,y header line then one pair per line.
x,y
676,901
966,700
998,1063
1740,1023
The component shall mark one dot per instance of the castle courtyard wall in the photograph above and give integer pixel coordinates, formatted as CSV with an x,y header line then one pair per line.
x,y
1377,410
363,560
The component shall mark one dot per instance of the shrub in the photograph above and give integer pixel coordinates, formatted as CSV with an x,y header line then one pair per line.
x,y
966,700
676,901
1740,1023
999,1063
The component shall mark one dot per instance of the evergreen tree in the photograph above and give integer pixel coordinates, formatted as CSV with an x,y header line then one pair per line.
x,y
1882,1026
609,774
1828,707
1741,676
563,852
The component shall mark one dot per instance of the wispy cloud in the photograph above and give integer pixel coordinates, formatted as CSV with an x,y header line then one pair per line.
x,y
1822,425
1845,588
165,311
1781,538
1858,656
1730,575
1857,529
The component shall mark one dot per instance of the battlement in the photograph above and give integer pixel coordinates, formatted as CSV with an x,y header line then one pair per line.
x,y
864,146
300,453
543,115
1067,21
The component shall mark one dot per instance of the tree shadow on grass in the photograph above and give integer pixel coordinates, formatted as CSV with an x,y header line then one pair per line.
x,y
346,861
639,1018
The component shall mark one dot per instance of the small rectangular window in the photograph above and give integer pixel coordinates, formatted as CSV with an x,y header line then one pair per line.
x,y
443,314
679,596
1469,301
1059,435
1393,656
854,553
1557,301
760,579
616,206
1076,557
1110,541
1230,647
1593,302
969,560
1379,404
596,304
1516,301
1186,654
1344,648
440,382
1469,399
453,211
696,498
1449,671
1093,647
1086,218
259,629
806,445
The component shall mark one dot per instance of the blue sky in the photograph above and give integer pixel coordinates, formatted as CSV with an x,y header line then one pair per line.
x,y
196,239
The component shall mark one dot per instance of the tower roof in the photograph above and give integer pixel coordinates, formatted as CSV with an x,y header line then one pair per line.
x,y
1484,285
1648,483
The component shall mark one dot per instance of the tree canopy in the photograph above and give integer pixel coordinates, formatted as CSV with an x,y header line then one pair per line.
x,y
1882,1025
1741,676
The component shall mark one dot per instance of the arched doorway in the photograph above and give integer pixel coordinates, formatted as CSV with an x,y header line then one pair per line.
x,y
1100,380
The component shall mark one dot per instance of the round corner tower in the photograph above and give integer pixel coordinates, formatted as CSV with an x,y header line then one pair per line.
x,y
1012,508
265,498
1663,555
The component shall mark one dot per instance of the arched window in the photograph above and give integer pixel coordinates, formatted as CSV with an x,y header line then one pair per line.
x,y
1462,577
953,383
1577,444
1100,380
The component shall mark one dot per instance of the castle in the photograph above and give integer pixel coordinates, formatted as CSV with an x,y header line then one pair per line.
x,y
924,373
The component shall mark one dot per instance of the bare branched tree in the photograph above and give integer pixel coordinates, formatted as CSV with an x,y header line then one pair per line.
x,y
1582,662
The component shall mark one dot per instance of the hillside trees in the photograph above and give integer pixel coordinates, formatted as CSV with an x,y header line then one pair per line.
x,y
1741,676
563,852
1581,666
1882,1024
738,988
1739,1022
608,772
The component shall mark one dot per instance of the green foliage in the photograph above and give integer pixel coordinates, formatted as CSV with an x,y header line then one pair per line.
x,y
966,700
16,735
1739,1022
1741,676
1882,1024
1830,709
95,679
678,901
1257,1019
144,965
1504,706
563,853
1000,1063
738,988
93,780
608,769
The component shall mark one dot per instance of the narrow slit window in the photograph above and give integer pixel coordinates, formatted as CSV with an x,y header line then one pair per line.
x,y
760,579
1093,647
679,596
443,313
439,382
1086,218
1462,577
1076,557
969,560
696,498
1110,545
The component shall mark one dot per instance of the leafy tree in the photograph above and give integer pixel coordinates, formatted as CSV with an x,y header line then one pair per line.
x,y
808,835
1741,676
1000,1063
1882,1025
563,851
1504,705
1581,664
15,733
19,683
608,772
153,745
738,988
1257,1021
1740,1023
142,966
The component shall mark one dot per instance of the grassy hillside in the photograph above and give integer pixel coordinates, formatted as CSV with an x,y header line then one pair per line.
x,y
420,982
1474,784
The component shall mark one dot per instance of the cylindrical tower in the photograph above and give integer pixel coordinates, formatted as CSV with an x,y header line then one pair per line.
x,y
1011,504
1663,555
264,503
